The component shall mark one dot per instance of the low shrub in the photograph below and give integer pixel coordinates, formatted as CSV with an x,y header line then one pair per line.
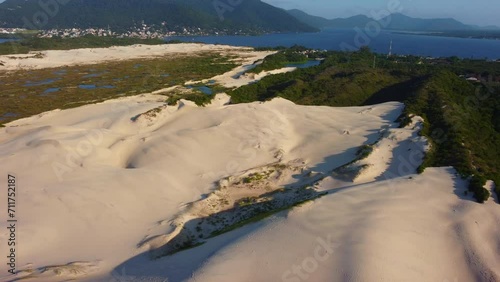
x,y
476,186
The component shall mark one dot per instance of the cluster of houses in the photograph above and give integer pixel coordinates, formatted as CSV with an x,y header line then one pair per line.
x,y
11,30
74,32
481,78
142,31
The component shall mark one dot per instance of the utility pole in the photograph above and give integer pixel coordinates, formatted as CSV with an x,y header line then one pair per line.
x,y
390,50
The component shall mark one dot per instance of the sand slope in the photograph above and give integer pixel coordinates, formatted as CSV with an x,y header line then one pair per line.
x,y
99,179
401,230
102,187
85,56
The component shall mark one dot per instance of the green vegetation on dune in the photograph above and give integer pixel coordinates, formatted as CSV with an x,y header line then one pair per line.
x,y
462,118
460,122
476,185
199,99
264,214
343,79
452,106
281,59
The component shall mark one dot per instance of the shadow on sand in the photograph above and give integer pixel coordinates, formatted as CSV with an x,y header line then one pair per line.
x,y
181,266
189,249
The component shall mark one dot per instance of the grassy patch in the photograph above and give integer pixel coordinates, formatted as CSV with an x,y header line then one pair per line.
x,y
199,99
364,151
28,93
253,177
247,201
262,216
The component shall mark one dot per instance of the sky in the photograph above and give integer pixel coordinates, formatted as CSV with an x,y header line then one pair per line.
x,y
480,12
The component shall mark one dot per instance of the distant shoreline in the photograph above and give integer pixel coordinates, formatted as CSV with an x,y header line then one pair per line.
x,y
10,36
494,35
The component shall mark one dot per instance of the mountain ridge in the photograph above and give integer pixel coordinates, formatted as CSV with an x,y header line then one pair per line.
x,y
249,15
395,21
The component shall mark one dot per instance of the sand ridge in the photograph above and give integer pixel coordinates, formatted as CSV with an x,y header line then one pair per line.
x,y
86,56
113,176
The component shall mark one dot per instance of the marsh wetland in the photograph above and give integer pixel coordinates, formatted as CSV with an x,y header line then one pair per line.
x,y
32,91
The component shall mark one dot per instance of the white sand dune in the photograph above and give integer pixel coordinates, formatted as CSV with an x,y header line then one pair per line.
x,y
99,179
238,77
403,227
96,181
400,230
86,56
399,152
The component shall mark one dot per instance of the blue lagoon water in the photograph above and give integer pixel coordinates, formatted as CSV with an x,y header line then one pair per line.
x,y
87,86
52,90
91,75
39,83
3,40
337,39
204,89
49,91
93,86
8,115
305,65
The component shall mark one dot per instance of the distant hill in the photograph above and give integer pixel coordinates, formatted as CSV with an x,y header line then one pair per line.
x,y
320,22
123,14
396,22
402,22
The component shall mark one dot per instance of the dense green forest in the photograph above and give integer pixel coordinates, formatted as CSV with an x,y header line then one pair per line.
x,y
462,117
233,16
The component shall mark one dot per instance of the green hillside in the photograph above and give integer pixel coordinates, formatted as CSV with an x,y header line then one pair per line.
x,y
394,21
462,118
249,15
